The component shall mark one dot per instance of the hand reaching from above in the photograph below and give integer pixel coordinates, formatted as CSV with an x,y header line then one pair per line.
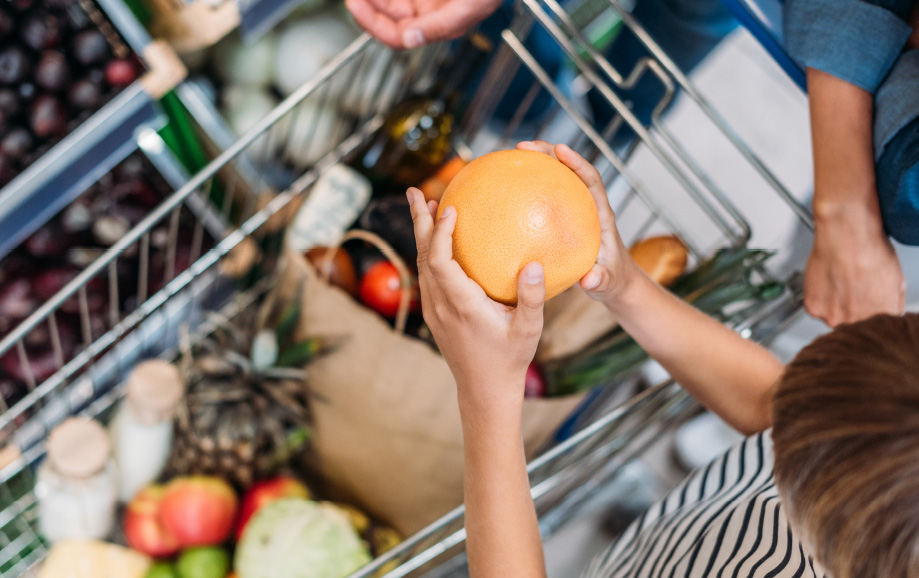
x,y
412,23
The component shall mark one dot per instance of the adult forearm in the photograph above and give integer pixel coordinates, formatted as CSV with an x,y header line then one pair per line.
x,y
502,533
841,124
729,375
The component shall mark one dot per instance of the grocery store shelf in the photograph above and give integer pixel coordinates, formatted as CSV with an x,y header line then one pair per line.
x,y
76,162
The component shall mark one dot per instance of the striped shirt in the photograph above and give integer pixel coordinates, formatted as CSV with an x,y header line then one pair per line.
x,y
723,521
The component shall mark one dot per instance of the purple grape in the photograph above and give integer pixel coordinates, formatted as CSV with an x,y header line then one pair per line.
x,y
48,241
7,169
90,47
27,90
16,300
41,31
9,103
6,23
17,143
52,72
84,95
120,73
14,65
47,118
22,5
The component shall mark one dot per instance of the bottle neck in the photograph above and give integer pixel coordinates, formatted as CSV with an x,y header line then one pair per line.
x,y
463,65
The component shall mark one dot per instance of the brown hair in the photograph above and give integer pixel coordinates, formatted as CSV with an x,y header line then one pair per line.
x,y
846,437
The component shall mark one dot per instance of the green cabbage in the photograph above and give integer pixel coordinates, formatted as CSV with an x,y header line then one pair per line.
x,y
297,538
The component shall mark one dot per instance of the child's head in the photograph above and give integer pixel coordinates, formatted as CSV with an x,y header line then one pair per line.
x,y
846,436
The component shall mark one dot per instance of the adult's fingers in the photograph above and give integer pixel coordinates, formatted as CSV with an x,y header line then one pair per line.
x,y
531,295
378,24
423,222
591,178
443,22
394,9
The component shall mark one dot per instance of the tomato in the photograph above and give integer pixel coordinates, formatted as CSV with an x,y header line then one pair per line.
x,y
381,289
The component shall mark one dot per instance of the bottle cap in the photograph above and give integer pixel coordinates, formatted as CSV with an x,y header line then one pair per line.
x,y
155,388
78,448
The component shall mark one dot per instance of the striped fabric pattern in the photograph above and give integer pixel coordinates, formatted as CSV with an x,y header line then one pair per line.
x,y
723,521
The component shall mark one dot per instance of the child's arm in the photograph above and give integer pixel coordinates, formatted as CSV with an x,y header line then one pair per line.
x,y
728,374
488,347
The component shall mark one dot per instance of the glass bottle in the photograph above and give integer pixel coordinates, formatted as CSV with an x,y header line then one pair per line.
x,y
77,487
417,135
142,428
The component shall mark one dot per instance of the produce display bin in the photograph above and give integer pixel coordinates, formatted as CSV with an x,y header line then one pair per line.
x,y
563,476
99,142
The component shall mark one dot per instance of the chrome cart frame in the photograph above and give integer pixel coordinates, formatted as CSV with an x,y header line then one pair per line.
x,y
562,478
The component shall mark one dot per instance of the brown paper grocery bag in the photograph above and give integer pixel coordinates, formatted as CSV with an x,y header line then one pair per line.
x,y
387,427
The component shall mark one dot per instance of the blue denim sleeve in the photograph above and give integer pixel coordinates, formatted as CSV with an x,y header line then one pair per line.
x,y
855,40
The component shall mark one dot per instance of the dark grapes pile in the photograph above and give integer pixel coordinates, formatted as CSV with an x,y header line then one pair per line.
x,y
56,69
38,269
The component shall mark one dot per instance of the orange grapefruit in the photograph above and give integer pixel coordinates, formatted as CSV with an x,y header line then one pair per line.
x,y
515,207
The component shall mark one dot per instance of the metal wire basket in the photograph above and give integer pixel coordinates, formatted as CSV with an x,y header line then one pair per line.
x,y
252,187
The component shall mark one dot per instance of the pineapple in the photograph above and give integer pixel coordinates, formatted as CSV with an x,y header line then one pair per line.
x,y
245,414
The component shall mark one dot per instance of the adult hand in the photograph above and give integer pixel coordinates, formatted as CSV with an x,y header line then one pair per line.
x,y
853,271
412,23
615,269
487,345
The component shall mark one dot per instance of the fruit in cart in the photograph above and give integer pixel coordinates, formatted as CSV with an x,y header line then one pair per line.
x,y
434,187
49,282
244,107
14,65
162,570
120,73
49,241
515,207
47,117
204,562
265,492
16,299
340,271
311,132
17,143
143,528
381,289
391,218
90,47
9,103
84,94
198,510
238,422
296,538
661,258
534,384
377,537
52,72
41,31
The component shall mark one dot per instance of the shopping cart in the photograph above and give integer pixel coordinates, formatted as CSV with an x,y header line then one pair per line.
x,y
251,206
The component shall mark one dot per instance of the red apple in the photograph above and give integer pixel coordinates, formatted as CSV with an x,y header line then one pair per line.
x,y
263,493
142,527
534,384
198,510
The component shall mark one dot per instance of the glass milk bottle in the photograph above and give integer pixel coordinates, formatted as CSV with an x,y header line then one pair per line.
x,y
77,486
142,427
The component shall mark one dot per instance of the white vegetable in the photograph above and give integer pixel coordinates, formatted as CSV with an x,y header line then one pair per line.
x,y
312,131
296,538
379,66
243,108
93,559
246,64
305,46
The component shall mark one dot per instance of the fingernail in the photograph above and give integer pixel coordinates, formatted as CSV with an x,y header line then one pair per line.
x,y
534,274
411,197
592,280
448,212
412,38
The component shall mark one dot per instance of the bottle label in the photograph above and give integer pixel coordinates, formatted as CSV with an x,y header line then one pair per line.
x,y
334,204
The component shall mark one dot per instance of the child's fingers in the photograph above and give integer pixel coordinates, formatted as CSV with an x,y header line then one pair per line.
x,y
591,178
423,221
539,146
441,248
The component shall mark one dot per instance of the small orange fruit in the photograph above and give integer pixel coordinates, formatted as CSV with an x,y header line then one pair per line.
x,y
515,207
